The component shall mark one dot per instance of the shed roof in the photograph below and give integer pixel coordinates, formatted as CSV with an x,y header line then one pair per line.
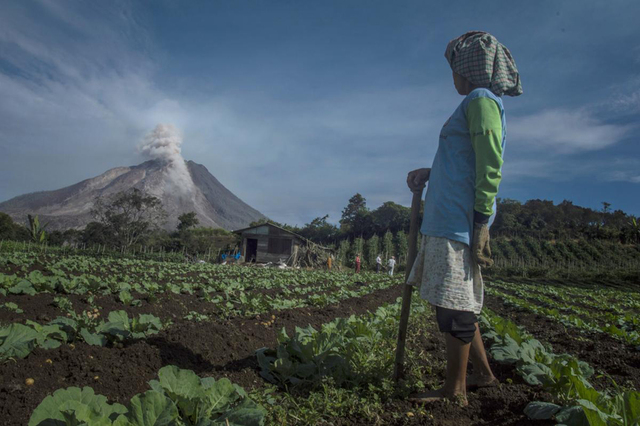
x,y
240,231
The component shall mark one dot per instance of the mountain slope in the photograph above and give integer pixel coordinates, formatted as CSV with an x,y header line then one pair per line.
x,y
70,207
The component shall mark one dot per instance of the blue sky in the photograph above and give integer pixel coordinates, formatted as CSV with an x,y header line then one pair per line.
x,y
297,105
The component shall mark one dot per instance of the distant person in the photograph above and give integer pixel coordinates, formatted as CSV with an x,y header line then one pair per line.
x,y
329,262
460,205
378,264
357,263
391,264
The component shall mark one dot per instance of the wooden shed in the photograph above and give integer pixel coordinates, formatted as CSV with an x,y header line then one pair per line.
x,y
269,243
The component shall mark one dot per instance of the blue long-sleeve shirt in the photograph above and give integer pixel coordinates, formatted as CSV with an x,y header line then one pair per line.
x,y
466,170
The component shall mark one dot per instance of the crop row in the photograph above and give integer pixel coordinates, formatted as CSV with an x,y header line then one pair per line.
x,y
590,254
568,319
233,290
178,397
564,376
18,340
602,298
624,317
344,369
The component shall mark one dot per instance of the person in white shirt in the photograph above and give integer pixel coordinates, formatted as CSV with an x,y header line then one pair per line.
x,y
391,264
378,264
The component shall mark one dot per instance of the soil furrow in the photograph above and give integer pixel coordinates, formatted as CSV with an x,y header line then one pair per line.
x,y
602,352
218,349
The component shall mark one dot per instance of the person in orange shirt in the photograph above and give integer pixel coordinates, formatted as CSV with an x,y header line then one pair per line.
x,y
357,263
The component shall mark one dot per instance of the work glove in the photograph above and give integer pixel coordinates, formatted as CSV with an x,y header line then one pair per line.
x,y
417,179
480,249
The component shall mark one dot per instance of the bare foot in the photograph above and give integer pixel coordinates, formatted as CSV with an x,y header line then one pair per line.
x,y
475,382
439,395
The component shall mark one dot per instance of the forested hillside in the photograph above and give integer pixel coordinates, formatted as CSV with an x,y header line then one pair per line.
x,y
539,219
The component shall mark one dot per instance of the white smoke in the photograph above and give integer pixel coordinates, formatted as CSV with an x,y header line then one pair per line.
x,y
164,143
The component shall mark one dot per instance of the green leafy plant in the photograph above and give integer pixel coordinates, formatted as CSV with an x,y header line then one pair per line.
x,y
562,375
17,341
195,316
179,397
35,229
12,307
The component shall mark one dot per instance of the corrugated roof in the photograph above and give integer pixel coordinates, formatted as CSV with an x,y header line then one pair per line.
x,y
239,231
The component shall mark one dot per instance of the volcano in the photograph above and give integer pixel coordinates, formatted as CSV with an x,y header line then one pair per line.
x,y
70,207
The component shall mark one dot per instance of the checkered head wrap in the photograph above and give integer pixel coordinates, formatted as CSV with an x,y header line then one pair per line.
x,y
485,62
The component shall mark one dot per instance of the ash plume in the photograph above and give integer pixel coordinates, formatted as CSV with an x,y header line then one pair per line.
x,y
164,144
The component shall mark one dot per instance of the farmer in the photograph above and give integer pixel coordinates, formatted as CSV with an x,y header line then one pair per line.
x,y
460,206
357,263
391,264
378,264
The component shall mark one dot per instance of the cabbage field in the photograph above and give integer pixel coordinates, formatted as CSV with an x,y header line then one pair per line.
x,y
99,339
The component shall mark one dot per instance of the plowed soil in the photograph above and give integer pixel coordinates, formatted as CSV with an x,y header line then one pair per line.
x,y
226,349
604,353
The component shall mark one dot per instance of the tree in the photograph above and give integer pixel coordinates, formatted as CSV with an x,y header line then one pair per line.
x,y
187,220
391,216
358,248
320,231
343,250
129,215
7,227
372,249
402,246
357,204
634,226
97,233
387,245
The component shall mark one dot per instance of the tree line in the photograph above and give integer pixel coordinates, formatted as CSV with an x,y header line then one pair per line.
x,y
541,219
135,218
122,221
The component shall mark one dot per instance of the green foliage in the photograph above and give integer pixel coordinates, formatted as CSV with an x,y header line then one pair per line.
x,y
348,351
17,341
187,220
401,246
7,227
543,220
178,397
320,231
120,327
562,375
37,231
357,205
98,233
343,251
357,248
372,249
196,317
205,401
128,216
127,299
387,246
12,307
75,406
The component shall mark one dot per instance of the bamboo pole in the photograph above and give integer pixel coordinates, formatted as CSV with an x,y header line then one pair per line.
x,y
398,371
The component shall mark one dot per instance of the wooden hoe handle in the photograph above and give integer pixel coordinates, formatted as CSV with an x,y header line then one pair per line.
x,y
398,371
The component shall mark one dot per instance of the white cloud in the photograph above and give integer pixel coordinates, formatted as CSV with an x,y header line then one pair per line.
x,y
564,131
624,176
78,106
623,170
